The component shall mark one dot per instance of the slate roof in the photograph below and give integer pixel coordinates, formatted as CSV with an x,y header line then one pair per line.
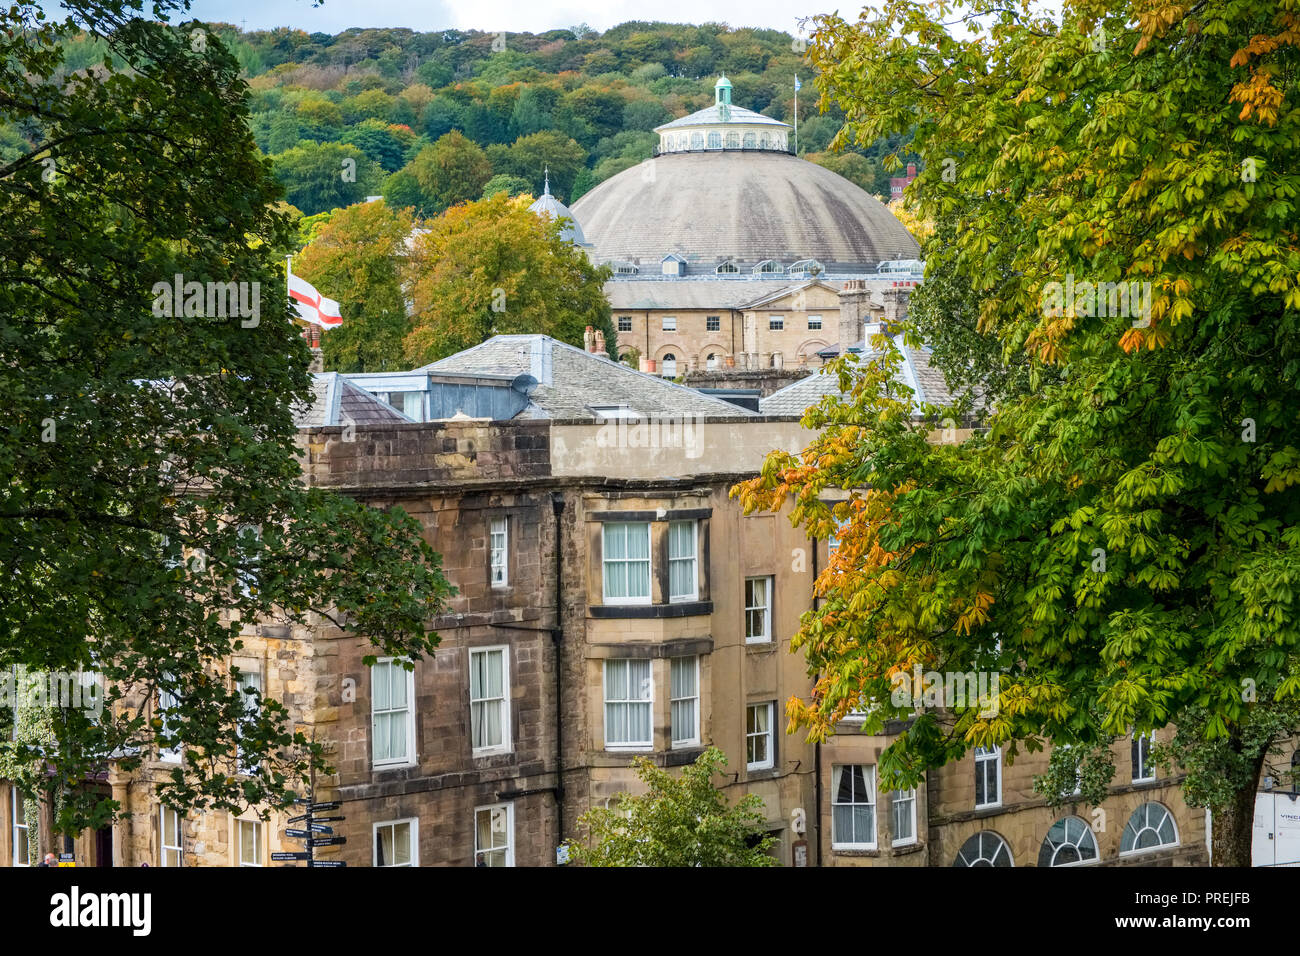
x,y
580,380
926,381
337,401
712,116
629,295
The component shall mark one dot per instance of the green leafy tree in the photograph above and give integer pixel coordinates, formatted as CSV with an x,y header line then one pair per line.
x,y
681,820
382,142
451,170
530,156
322,176
511,185
1124,544
494,267
402,191
144,447
356,259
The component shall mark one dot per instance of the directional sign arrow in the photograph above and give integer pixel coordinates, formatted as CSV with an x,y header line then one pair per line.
x,y
290,831
278,857
316,819
324,806
321,828
328,841
297,819
329,863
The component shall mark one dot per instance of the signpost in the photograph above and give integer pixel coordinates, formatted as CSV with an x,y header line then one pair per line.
x,y
313,825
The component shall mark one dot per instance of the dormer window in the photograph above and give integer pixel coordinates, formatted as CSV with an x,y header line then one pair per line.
x,y
605,412
768,266
807,267
625,269
728,268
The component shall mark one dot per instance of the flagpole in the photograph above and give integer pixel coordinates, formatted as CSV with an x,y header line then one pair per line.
x,y
796,114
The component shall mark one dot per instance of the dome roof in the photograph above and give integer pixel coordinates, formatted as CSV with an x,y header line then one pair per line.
x,y
744,204
548,204
712,116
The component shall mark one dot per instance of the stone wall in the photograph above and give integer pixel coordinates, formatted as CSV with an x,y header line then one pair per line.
x,y
766,380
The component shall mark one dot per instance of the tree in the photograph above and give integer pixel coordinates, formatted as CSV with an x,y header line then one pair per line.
x,y
530,156
494,267
356,259
451,170
380,141
1124,544
322,176
857,169
511,185
402,191
679,821
145,445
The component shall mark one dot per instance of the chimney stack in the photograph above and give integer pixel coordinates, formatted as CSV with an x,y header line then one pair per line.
x,y
600,343
854,304
589,339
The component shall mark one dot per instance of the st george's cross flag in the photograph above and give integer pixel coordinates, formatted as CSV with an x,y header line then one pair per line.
x,y
312,306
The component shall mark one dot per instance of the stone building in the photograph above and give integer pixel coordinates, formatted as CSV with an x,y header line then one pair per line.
x,y
730,252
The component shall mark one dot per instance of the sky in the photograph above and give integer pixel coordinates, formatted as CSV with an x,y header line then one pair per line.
x,y
514,16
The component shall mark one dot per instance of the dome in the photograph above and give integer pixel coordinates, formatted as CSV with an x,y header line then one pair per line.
x,y
548,204
747,205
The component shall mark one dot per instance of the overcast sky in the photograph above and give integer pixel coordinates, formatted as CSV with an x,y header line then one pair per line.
x,y
530,16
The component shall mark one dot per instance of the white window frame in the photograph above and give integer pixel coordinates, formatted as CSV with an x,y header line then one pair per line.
x,y
1143,742
818,320
900,798
250,678
605,562
713,323
769,761
163,846
499,554
414,838
503,701
259,847
1146,825
776,323
510,832
669,323
766,608
166,699
622,319
409,759
869,780
694,699
250,578
664,370
984,755
693,558
18,830
648,685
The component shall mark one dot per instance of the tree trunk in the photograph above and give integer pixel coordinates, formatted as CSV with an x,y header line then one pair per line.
x,y
1233,825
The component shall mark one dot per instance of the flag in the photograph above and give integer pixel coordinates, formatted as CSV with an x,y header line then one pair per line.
x,y
311,305
797,84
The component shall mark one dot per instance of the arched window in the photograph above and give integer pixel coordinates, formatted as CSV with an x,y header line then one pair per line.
x,y
749,141
715,140
727,268
768,265
733,140
1068,843
765,142
697,141
711,361
984,849
669,365
1150,827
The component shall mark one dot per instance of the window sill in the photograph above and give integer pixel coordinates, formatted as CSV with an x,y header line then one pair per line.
x,y
629,748
492,752
859,851
644,611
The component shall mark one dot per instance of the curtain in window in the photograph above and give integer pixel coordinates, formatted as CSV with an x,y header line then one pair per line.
x,y
756,607
904,802
389,687
627,560
853,814
394,845
684,698
627,702
681,559
492,836
250,844
486,691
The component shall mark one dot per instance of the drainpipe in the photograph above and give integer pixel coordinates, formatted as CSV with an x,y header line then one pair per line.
x,y
817,747
557,639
